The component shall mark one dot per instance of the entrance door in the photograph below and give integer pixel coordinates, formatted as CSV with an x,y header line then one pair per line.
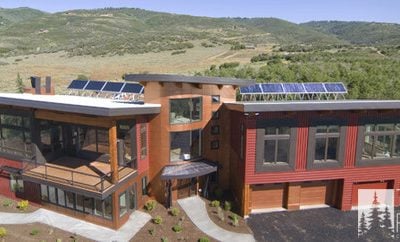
x,y
187,187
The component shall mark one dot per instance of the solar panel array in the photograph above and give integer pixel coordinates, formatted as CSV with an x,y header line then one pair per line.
x,y
103,88
299,90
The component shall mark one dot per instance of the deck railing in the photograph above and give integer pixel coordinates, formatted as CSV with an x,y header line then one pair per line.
x,y
72,178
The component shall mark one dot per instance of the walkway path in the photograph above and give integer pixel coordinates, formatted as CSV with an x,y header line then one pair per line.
x,y
195,208
92,231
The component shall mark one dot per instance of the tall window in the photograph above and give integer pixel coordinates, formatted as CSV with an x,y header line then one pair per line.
x,y
143,141
326,143
276,145
381,141
185,110
15,135
93,139
127,135
185,145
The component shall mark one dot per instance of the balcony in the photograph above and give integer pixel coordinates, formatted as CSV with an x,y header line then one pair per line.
x,y
77,174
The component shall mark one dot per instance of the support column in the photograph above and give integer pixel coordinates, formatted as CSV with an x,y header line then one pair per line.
x,y
112,140
347,195
293,196
115,210
246,199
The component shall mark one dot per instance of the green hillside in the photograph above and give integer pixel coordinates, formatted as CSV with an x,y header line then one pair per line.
x,y
10,16
367,33
120,31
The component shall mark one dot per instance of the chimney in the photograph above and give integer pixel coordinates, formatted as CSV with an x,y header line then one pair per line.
x,y
37,88
37,85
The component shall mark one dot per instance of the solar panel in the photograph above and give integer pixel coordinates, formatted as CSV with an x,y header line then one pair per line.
x,y
271,88
133,88
77,84
95,85
293,87
335,87
251,89
314,87
113,87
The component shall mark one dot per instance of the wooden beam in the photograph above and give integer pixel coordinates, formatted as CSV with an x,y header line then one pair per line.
x,y
74,118
246,200
112,139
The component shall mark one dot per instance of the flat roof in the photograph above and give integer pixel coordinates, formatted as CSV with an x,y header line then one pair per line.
x,y
188,79
78,104
275,106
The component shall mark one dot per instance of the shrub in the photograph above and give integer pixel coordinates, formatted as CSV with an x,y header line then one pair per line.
x,y
7,203
227,206
157,219
215,203
150,205
82,77
59,240
204,239
227,65
177,228
23,205
3,232
164,239
151,231
178,52
235,220
34,232
175,212
220,214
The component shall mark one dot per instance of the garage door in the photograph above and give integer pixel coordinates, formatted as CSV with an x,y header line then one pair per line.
x,y
367,185
316,193
267,196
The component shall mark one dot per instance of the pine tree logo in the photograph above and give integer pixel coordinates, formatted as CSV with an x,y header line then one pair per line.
x,y
376,214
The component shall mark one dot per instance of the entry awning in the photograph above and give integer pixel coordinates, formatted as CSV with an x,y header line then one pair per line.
x,y
188,170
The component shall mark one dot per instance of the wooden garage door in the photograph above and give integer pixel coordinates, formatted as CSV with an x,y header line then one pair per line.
x,y
315,193
267,196
367,185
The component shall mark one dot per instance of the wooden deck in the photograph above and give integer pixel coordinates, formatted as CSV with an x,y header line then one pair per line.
x,y
92,176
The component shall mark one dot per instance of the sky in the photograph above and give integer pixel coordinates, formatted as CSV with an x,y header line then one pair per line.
x,y
297,11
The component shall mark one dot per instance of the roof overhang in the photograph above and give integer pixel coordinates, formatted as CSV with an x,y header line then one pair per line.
x,y
188,170
334,105
78,104
188,79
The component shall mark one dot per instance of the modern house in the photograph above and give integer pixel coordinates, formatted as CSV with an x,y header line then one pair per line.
x,y
102,151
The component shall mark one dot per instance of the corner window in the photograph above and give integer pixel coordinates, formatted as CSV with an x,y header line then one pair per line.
x,y
215,129
275,149
185,145
325,144
185,110
381,143
123,208
127,147
16,183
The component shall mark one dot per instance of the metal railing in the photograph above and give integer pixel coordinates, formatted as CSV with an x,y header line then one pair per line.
x,y
72,178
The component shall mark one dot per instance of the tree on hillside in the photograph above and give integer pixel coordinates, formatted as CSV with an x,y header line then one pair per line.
x,y
19,83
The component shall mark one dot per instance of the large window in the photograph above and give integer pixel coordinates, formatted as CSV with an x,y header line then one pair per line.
x,y
185,110
15,135
51,137
77,202
381,142
185,145
326,144
275,149
93,139
127,150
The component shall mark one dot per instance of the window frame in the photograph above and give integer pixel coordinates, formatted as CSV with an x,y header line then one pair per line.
x,y
312,135
261,137
361,137
200,98
191,135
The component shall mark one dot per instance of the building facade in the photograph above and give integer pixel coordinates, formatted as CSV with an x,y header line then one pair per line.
x,y
99,159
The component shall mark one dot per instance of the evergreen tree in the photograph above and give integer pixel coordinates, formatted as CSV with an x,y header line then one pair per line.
x,y
20,84
362,226
387,223
375,221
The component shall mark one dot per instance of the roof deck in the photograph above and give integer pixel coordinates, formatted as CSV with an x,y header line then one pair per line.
x,y
74,173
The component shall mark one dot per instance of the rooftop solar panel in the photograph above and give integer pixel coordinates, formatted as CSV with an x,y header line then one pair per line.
x,y
335,87
293,87
251,89
77,84
133,88
113,87
95,85
272,88
314,87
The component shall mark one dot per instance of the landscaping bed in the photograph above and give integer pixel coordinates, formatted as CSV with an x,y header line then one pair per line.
x,y
11,206
155,232
222,216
